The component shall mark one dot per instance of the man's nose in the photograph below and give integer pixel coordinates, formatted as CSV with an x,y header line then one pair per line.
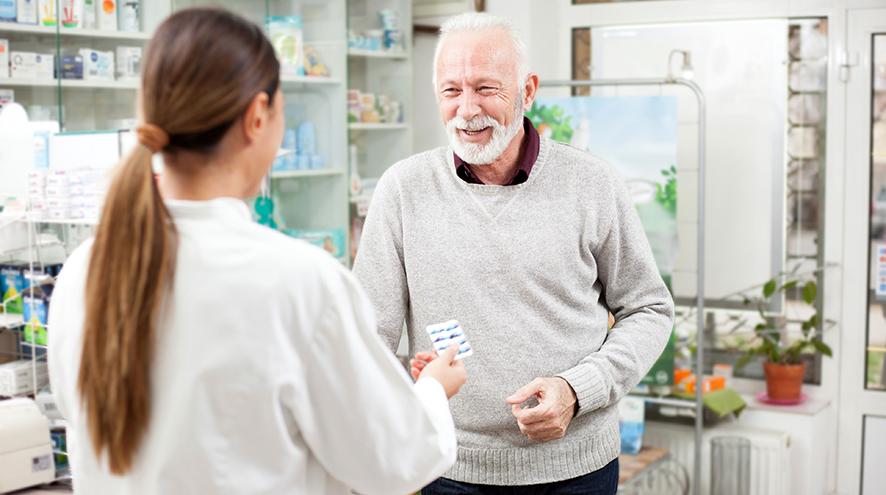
x,y
468,105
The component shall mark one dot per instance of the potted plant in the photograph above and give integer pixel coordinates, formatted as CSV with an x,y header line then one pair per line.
x,y
783,367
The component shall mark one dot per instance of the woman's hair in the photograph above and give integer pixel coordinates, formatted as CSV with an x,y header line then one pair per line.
x,y
202,69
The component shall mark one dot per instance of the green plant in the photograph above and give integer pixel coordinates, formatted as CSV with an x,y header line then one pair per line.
x,y
551,118
769,336
666,194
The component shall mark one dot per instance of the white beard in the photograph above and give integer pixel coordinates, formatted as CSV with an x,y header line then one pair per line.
x,y
483,154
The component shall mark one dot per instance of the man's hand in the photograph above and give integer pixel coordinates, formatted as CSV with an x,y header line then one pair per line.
x,y
551,417
418,363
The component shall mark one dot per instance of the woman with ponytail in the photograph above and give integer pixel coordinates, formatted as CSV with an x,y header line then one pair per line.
x,y
195,351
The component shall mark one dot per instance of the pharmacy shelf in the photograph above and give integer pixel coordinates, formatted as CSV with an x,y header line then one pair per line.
x,y
294,174
360,126
64,221
309,80
354,52
69,83
11,27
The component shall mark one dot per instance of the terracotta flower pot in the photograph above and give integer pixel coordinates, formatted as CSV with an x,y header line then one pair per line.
x,y
784,381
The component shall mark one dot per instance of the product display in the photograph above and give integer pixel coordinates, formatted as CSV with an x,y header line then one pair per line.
x,y
12,285
107,15
72,13
47,12
26,11
72,67
6,96
314,65
331,240
29,65
4,59
17,377
8,11
97,65
129,16
371,108
286,34
387,39
631,412
129,59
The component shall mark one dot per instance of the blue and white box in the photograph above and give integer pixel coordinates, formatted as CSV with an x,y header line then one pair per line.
x,y
445,334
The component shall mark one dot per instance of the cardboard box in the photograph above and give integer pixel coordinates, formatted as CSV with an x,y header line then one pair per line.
x,y
17,377
7,10
72,67
97,65
107,14
129,61
27,11
30,65
4,59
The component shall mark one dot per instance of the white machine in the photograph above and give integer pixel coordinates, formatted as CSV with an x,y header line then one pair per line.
x,y
25,446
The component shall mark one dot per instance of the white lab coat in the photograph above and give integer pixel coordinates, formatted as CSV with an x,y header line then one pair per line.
x,y
268,378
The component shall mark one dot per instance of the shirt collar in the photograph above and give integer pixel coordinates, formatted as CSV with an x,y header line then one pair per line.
x,y
528,155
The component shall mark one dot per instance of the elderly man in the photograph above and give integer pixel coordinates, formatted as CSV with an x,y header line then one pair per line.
x,y
529,244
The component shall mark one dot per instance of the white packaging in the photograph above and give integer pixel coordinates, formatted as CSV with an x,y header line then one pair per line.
x,y
89,13
47,15
97,65
57,178
17,377
58,213
58,203
27,11
57,191
6,96
129,60
106,13
129,15
4,59
29,65
72,13
37,178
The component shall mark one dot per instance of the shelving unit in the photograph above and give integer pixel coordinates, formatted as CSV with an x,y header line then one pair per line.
x,y
11,27
379,72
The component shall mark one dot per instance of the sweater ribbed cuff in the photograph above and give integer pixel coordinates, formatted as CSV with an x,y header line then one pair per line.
x,y
589,386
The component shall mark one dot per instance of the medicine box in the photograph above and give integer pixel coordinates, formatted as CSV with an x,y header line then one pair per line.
x,y
17,377
30,65
4,59
97,65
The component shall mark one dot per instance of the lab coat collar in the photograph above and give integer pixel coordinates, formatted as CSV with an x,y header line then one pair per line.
x,y
231,209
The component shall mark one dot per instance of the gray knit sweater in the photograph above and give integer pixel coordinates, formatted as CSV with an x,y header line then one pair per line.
x,y
529,270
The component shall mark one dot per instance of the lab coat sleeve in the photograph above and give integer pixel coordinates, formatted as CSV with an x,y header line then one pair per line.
x,y
361,416
65,317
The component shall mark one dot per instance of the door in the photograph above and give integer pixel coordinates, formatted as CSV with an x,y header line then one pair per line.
x,y
862,427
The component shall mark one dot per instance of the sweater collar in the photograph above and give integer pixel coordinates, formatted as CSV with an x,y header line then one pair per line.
x,y
528,156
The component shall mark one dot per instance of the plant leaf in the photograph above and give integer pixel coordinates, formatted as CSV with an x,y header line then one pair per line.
x,y
790,285
769,288
810,291
822,347
743,361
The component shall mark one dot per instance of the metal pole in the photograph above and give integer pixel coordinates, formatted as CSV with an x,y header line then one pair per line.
x,y
699,349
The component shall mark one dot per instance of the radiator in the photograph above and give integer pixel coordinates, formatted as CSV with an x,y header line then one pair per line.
x,y
770,454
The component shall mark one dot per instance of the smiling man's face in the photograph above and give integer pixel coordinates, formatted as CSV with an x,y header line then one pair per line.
x,y
480,100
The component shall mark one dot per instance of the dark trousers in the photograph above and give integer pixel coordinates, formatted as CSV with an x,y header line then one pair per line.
x,y
603,481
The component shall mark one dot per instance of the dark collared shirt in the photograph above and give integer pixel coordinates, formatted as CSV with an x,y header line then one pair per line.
x,y
527,157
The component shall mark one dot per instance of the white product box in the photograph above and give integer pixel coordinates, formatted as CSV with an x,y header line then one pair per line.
x,y
87,201
37,178
58,213
4,59
27,11
46,14
17,377
107,14
58,203
85,176
57,191
58,178
35,192
6,96
129,61
30,65
97,65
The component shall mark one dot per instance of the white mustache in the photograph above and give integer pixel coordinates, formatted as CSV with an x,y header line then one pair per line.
x,y
476,124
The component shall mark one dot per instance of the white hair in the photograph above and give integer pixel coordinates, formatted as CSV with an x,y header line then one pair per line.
x,y
477,21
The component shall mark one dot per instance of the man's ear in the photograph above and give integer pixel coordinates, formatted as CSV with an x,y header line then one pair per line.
x,y
530,90
256,117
